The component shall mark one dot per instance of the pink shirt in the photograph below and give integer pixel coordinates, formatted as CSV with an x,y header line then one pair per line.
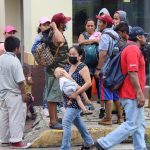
x,y
95,35
2,49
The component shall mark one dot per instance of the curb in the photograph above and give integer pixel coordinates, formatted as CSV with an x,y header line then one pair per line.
x,y
53,138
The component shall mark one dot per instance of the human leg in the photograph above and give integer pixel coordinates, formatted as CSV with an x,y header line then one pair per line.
x,y
17,116
83,130
139,135
4,123
102,109
118,107
85,111
129,127
106,96
54,96
69,116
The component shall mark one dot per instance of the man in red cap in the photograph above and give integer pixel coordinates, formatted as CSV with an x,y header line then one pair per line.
x,y
54,96
106,46
8,31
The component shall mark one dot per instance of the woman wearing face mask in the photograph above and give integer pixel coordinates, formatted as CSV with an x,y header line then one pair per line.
x,y
80,73
90,39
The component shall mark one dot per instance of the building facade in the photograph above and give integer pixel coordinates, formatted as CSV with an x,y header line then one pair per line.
x,y
24,15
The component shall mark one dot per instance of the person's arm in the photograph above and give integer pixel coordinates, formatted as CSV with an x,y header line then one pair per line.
x,y
103,49
135,83
58,37
87,79
83,41
23,92
66,75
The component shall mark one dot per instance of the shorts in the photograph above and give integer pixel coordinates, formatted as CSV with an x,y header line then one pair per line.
x,y
106,94
53,93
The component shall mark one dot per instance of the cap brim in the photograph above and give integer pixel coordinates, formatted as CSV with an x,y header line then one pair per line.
x,y
67,19
99,17
147,33
11,31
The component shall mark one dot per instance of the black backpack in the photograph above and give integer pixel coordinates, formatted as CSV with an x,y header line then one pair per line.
x,y
111,70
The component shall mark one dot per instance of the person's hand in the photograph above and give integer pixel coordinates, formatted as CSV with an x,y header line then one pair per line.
x,y
24,97
140,99
73,95
53,25
97,72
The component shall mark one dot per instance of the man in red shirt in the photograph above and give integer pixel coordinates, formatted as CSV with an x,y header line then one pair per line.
x,y
131,96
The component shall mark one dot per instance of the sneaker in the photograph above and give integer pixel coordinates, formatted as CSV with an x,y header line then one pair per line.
x,y
57,126
20,145
46,112
98,146
101,113
4,144
105,121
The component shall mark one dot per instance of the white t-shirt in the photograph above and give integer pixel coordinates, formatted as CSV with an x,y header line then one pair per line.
x,y
11,73
67,86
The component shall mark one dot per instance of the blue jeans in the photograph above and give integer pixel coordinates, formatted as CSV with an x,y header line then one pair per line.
x,y
134,126
73,116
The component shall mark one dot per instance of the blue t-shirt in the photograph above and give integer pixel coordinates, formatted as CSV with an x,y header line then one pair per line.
x,y
106,42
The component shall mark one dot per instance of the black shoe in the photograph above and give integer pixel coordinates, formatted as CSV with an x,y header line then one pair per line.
x,y
98,146
101,113
98,101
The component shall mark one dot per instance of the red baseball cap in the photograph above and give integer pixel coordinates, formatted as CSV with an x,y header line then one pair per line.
x,y
60,18
106,18
9,28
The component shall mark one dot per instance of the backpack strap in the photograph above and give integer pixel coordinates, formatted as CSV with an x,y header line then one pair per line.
x,y
112,36
85,35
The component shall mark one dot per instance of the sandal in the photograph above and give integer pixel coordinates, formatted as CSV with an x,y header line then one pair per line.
x,y
86,112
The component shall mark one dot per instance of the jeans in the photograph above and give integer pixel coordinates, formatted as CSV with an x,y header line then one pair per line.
x,y
134,126
73,116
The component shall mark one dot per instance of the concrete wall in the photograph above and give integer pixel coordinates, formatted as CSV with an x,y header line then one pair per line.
x,y
12,14
33,10
2,19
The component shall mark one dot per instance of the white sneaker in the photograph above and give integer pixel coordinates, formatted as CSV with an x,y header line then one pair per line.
x,y
46,112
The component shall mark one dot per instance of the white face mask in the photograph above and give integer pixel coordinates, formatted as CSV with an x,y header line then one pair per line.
x,y
66,26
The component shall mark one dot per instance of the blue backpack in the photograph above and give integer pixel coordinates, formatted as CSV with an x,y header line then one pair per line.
x,y
90,53
111,70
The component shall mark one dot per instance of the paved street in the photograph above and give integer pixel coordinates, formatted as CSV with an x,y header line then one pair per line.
x,y
119,147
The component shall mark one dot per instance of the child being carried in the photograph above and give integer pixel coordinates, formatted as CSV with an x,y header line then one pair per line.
x,y
69,86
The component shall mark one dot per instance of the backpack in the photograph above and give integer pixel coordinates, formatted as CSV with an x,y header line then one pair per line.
x,y
90,53
43,55
111,70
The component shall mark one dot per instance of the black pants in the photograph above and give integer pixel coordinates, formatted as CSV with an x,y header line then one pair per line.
x,y
89,91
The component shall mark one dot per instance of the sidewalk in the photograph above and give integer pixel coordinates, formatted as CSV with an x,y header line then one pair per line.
x,y
42,136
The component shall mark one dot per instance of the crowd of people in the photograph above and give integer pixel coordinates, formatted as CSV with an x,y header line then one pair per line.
x,y
68,80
